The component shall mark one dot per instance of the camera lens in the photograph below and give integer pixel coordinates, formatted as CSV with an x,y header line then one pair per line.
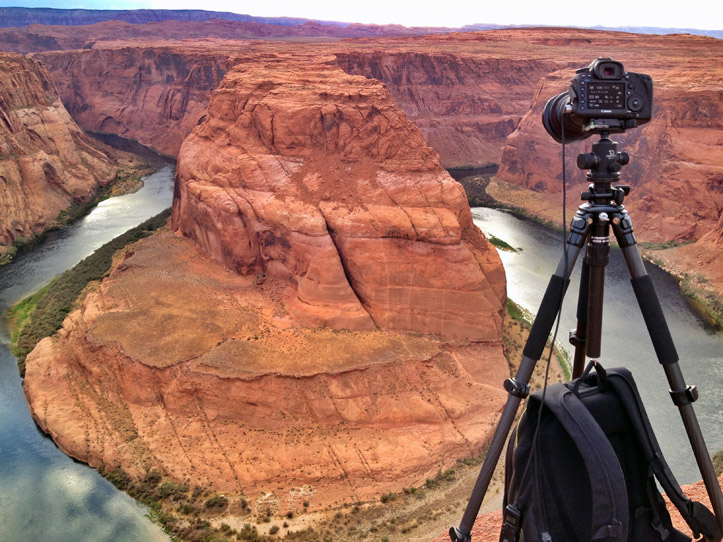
x,y
553,117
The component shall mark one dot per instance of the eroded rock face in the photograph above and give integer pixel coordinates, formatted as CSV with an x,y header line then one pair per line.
x,y
152,95
314,177
464,105
46,161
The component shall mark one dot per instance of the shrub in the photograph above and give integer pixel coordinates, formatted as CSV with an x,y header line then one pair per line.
x,y
172,489
216,501
118,477
718,463
388,497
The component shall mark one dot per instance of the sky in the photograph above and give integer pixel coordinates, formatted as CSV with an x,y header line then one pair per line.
x,y
700,14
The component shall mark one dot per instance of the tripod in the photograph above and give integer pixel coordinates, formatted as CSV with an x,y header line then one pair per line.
x,y
590,227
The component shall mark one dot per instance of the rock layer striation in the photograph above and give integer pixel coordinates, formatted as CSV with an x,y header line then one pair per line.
x,y
155,96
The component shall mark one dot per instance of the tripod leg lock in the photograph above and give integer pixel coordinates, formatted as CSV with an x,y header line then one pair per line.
x,y
516,388
684,397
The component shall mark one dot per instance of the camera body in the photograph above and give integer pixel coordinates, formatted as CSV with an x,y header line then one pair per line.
x,y
602,98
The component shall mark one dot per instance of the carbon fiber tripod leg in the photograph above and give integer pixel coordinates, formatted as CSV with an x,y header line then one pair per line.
x,y
683,396
518,386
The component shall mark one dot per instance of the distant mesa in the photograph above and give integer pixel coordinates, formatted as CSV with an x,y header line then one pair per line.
x,y
18,16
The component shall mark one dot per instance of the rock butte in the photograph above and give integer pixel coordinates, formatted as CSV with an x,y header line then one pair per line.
x,y
272,337
315,178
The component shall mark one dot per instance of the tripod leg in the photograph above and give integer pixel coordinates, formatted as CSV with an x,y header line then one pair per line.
x,y
518,387
683,396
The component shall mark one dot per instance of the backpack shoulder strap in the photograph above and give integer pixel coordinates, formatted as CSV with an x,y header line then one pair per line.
x,y
697,516
610,520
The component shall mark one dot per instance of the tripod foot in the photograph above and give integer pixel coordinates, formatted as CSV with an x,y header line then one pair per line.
x,y
457,536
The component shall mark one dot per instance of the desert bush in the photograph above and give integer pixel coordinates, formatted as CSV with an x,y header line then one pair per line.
x,y
216,501
173,490
718,463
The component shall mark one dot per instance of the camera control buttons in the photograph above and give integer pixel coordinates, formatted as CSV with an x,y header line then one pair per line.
x,y
635,103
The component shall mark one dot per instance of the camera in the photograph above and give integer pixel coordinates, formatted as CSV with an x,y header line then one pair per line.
x,y
602,98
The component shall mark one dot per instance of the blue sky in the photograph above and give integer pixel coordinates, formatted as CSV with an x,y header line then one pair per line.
x,y
702,14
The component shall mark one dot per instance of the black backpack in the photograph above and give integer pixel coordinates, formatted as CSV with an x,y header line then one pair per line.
x,y
591,475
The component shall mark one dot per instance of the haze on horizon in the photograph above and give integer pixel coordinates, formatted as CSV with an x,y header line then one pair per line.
x,y
693,14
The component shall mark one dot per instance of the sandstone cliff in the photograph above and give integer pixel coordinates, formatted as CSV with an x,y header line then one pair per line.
x,y
465,105
267,348
322,182
154,96
46,161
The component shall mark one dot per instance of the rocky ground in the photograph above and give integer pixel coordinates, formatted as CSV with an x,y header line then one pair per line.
x,y
239,398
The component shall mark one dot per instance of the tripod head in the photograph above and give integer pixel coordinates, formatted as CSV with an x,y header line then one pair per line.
x,y
604,164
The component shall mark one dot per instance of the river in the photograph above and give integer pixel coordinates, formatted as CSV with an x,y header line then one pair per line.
x,y
45,495
625,341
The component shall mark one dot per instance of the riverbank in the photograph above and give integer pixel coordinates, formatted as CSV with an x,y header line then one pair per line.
x,y
42,489
42,314
128,179
703,292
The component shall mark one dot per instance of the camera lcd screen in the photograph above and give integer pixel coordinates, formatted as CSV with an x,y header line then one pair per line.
x,y
606,95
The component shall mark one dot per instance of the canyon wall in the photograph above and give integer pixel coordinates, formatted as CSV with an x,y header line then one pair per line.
x,y
152,95
46,161
323,322
464,105
467,93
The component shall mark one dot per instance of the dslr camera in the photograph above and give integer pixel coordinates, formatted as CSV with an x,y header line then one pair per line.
x,y
602,98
